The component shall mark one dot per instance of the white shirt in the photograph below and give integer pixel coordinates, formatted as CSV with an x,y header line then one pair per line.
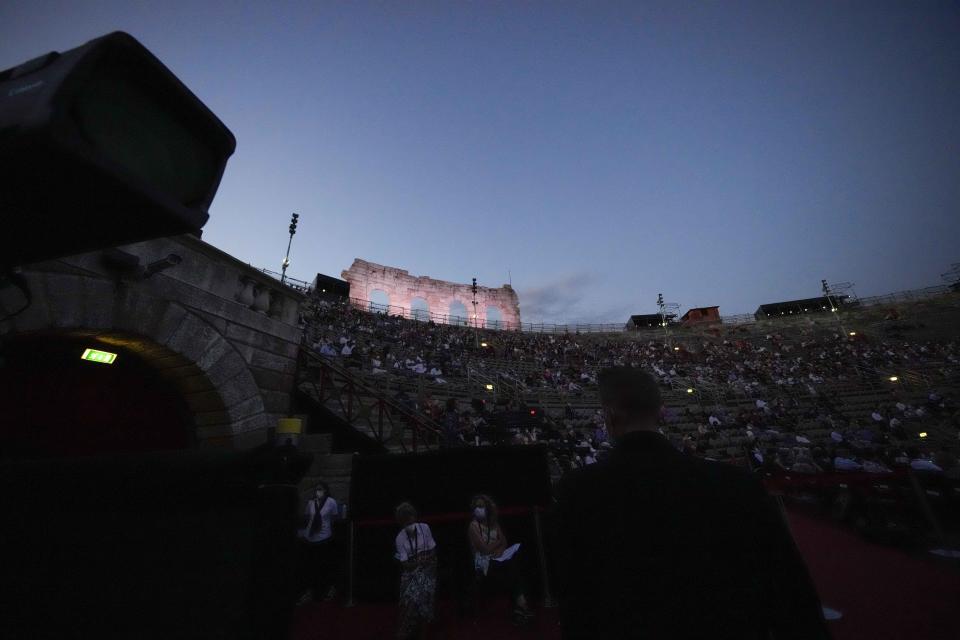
x,y
845,464
481,562
327,513
924,465
327,350
347,350
416,541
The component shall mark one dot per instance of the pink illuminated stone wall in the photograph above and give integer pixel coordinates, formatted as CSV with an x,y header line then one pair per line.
x,y
402,288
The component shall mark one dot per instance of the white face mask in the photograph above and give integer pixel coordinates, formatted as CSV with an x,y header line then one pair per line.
x,y
480,513
411,527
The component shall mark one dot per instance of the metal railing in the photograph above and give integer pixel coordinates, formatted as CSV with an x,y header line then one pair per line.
x,y
299,285
426,315
911,295
365,408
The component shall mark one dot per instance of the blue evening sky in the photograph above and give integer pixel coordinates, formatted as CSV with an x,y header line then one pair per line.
x,y
729,153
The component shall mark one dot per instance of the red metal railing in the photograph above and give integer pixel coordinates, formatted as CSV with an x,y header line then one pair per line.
x,y
364,407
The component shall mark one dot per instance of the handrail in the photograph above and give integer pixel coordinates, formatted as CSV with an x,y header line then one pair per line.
x,y
419,421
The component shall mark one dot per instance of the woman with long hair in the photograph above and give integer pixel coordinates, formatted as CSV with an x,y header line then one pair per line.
x,y
416,551
493,558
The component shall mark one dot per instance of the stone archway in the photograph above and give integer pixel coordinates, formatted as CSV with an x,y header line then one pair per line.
x,y
419,308
379,300
403,288
493,318
183,346
458,313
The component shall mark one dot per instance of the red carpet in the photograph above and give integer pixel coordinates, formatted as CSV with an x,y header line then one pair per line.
x,y
378,622
883,594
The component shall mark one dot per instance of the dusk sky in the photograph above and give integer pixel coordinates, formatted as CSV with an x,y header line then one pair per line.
x,y
729,153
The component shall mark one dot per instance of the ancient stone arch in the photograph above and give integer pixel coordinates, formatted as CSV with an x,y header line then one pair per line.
x,y
457,312
215,380
364,277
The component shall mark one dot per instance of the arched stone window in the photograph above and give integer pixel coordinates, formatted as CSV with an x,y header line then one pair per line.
x,y
379,301
458,313
419,309
494,318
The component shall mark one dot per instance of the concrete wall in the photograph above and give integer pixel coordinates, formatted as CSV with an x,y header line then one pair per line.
x,y
365,277
224,332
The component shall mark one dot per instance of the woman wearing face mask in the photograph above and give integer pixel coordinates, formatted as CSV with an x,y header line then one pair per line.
x,y
416,551
317,546
489,544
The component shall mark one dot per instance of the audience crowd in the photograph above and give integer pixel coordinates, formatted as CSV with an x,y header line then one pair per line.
x,y
791,400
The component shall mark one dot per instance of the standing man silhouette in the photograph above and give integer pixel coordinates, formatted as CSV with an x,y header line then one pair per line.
x,y
657,544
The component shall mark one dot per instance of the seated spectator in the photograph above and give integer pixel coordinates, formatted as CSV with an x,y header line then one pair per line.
x,y
493,558
327,350
923,463
844,463
451,425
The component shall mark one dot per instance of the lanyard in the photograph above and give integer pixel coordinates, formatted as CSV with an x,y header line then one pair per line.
x,y
489,531
412,541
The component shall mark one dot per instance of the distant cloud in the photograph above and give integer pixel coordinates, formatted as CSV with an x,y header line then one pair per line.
x,y
616,315
556,299
564,301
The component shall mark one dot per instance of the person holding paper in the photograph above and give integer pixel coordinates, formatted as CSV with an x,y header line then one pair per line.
x,y
494,559
417,553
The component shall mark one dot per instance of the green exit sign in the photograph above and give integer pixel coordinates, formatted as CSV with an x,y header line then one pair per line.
x,y
93,355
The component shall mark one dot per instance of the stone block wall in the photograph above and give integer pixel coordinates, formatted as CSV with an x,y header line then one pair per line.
x,y
226,333
402,288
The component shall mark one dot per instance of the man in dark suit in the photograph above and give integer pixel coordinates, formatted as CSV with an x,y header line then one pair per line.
x,y
658,544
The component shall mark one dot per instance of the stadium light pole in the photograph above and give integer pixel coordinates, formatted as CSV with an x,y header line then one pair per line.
x,y
286,257
476,318
834,307
663,319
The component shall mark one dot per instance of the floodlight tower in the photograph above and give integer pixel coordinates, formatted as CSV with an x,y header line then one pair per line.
x,y
286,257
830,292
663,318
476,318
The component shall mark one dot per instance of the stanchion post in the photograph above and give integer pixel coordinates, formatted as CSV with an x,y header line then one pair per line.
x,y
350,565
548,600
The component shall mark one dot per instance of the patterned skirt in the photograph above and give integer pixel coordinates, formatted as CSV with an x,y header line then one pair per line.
x,y
418,587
